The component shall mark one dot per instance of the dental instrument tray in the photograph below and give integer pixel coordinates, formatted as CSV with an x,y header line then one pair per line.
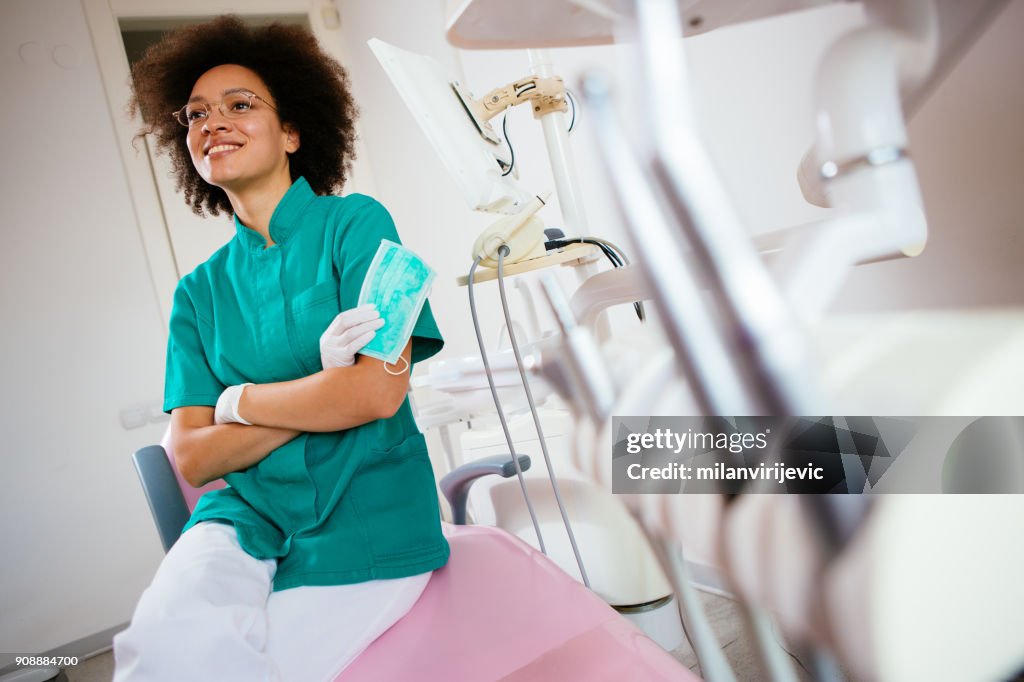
x,y
564,256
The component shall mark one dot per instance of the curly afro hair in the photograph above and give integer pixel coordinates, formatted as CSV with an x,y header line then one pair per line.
x,y
309,88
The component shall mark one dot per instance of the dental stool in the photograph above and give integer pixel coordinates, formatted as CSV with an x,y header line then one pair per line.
x,y
498,609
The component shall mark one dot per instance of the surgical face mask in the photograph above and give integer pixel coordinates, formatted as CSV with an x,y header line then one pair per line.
x,y
398,283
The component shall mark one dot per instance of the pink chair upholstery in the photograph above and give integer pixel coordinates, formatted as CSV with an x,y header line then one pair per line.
x,y
499,609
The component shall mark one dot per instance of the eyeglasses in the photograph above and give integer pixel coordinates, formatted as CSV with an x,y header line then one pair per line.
x,y
234,105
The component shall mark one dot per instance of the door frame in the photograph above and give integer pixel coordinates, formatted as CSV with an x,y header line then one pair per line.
x,y
103,18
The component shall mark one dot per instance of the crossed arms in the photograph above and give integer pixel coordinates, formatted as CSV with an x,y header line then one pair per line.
x,y
333,399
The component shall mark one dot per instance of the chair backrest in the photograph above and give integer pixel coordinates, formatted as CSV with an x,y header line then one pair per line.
x,y
171,499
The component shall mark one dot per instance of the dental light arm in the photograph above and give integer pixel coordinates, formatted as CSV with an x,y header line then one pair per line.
x,y
859,165
545,94
522,233
900,42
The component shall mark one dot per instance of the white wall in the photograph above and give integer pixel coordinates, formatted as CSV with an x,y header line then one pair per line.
x,y
82,340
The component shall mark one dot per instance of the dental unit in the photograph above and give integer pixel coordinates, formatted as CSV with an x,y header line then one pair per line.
x,y
515,243
735,335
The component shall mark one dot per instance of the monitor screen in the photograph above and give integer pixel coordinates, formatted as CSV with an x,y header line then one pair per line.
x,y
472,160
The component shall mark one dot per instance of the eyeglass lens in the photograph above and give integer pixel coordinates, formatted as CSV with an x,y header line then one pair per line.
x,y
232,106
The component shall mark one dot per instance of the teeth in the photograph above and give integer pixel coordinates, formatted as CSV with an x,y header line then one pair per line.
x,y
223,148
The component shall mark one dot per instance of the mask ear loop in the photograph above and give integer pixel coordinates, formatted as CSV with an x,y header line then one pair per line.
x,y
402,371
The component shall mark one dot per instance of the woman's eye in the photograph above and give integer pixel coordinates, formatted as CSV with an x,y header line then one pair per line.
x,y
240,106
197,115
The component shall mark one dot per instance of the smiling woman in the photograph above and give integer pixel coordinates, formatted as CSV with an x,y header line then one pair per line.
x,y
308,88
329,522
238,144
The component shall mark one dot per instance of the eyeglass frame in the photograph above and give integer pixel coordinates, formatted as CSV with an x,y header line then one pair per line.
x,y
176,115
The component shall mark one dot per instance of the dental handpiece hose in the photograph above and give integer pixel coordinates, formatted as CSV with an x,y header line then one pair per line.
x,y
502,252
497,405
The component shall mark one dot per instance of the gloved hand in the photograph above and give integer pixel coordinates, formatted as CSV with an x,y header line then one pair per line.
x,y
350,331
226,411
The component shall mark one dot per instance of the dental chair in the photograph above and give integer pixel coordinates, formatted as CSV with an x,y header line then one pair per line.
x,y
498,609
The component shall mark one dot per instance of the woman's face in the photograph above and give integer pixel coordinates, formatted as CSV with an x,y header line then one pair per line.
x,y
240,153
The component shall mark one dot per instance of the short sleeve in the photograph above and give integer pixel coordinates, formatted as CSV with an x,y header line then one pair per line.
x,y
368,224
188,379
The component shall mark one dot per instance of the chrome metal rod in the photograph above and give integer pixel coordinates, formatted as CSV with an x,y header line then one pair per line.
x,y
764,339
700,353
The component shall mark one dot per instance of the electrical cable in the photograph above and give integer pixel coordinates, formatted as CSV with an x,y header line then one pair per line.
x,y
613,253
608,253
502,252
641,313
613,247
497,403
512,152
527,88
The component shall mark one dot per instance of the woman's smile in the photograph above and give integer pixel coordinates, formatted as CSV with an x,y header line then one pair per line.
x,y
221,150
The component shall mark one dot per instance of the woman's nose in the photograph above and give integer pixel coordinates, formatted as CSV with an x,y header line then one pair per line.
x,y
215,120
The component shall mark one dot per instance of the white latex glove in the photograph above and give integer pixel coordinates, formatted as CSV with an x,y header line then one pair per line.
x,y
347,334
226,411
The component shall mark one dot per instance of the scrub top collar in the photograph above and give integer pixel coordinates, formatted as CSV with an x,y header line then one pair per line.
x,y
286,219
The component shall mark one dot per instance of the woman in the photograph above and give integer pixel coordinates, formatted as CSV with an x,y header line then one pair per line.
x,y
328,530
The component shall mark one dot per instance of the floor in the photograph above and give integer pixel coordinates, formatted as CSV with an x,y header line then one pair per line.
x,y
739,650
722,614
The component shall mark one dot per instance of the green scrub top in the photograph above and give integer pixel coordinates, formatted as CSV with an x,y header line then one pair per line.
x,y
332,508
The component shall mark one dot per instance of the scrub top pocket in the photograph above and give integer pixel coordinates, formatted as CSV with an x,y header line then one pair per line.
x,y
393,492
313,310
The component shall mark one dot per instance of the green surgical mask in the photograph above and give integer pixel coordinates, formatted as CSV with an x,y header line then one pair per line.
x,y
398,283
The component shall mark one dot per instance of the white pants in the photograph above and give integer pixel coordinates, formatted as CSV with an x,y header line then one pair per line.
x,y
209,614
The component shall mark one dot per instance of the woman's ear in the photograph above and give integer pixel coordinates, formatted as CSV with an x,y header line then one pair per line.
x,y
293,141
